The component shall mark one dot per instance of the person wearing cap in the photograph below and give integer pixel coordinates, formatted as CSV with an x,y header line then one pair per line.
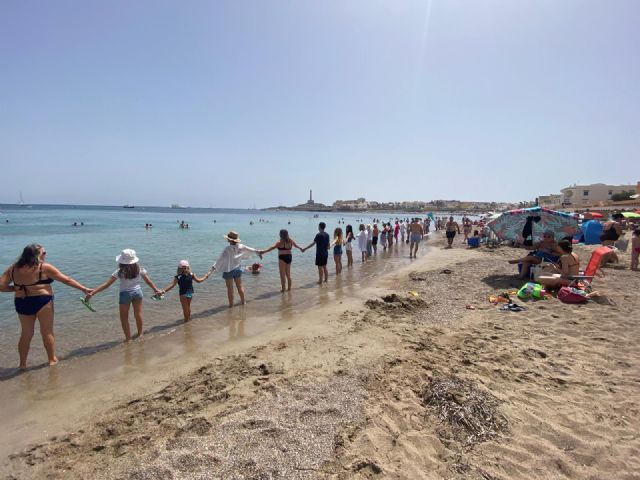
x,y
229,263
130,275
184,279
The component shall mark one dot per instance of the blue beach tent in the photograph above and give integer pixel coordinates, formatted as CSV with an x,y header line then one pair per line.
x,y
591,231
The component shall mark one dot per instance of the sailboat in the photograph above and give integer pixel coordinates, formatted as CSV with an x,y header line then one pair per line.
x,y
21,202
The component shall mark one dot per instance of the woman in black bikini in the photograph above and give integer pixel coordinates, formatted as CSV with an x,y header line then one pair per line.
x,y
31,278
284,246
612,230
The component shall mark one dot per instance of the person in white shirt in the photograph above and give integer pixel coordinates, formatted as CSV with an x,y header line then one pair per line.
x,y
403,231
130,275
229,264
362,242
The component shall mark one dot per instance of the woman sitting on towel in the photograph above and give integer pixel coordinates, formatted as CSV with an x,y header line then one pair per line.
x,y
568,266
546,249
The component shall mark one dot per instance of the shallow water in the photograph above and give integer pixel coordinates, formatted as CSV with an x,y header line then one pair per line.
x,y
88,252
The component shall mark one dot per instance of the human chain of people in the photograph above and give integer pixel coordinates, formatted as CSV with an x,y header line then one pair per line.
x,y
30,278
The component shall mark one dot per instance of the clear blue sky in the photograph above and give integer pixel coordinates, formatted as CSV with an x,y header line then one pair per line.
x,y
255,102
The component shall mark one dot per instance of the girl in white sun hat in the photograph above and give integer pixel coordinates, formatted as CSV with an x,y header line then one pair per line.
x,y
184,279
130,275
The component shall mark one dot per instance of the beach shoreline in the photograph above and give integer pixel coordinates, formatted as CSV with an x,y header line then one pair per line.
x,y
340,392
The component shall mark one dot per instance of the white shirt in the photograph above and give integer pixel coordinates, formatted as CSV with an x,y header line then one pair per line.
x,y
231,257
362,241
129,284
403,228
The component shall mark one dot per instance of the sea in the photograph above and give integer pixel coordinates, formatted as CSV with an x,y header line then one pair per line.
x,y
83,241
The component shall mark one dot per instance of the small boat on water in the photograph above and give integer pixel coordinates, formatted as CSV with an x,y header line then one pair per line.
x,y
177,205
128,206
21,202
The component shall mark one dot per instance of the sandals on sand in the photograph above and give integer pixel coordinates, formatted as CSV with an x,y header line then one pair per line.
x,y
513,307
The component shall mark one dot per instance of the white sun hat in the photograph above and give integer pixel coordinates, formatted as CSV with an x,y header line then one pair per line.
x,y
127,257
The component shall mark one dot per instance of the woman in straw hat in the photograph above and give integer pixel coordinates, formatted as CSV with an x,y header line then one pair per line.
x,y
229,264
130,275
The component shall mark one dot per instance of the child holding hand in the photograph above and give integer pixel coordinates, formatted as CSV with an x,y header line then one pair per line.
x,y
184,279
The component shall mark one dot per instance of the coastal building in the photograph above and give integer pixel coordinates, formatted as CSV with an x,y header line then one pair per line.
x,y
550,201
348,205
596,194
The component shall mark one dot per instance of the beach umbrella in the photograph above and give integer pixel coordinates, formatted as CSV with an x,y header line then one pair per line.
x,y
596,215
630,215
509,225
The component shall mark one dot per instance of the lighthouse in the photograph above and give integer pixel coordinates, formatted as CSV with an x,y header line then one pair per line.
x,y
310,201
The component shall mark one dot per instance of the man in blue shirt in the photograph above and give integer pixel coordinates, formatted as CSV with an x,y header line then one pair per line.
x,y
322,242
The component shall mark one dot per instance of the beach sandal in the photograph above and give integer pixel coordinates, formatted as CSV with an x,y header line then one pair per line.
x,y
87,304
447,271
513,307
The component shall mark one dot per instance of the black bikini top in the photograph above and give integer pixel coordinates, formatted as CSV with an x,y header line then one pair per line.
x,y
285,247
41,281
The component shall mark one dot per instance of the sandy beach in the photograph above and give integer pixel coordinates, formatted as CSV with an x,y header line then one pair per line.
x,y
384,383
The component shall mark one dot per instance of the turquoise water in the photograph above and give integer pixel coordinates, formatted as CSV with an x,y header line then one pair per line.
x,y
87,253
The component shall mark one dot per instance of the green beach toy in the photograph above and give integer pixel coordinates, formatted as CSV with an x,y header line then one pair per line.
x,y
87,304
157,297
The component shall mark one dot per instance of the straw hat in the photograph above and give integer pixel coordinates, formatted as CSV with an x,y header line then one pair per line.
x,y
183,263
127,257
232,237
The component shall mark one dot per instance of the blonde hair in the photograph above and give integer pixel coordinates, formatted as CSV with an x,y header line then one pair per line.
x,y
337,234
179,271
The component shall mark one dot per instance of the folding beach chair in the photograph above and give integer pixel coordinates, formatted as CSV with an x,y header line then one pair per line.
x,y
586,277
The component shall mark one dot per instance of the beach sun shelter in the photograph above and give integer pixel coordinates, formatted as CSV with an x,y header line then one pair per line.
x,y
509,225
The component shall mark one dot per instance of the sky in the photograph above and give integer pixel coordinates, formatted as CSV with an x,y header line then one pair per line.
x,y
253,103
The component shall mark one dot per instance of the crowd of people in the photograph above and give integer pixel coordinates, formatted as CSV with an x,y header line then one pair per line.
x,y
30,278
562,264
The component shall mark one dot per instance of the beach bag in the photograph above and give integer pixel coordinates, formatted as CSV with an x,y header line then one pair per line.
x,y
572,295
531,290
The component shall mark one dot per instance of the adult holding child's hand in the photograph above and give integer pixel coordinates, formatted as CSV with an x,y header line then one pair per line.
x,y
30,277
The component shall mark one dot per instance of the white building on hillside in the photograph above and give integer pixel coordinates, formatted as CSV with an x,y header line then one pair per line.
x,y
591,195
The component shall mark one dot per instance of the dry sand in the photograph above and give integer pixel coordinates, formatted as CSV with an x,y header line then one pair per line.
x,y
399,386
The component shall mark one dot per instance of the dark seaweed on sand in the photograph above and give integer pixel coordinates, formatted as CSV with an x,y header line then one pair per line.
x,y
471,413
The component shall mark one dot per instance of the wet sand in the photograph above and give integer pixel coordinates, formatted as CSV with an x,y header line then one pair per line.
x,y
377,382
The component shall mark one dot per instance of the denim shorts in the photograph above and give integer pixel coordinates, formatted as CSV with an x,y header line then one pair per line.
x,y
235,273
127,296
